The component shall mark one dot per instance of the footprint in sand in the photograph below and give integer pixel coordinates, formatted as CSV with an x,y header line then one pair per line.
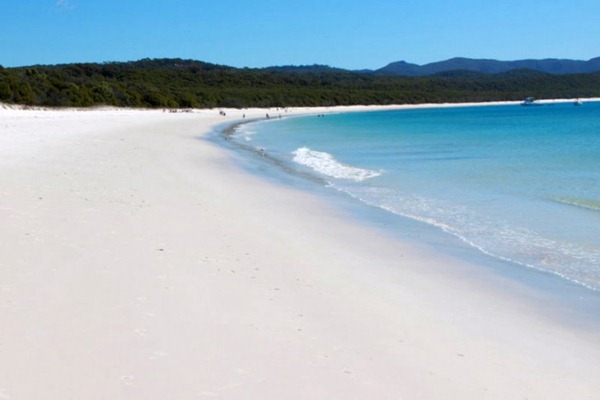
x,y
140,331
158,354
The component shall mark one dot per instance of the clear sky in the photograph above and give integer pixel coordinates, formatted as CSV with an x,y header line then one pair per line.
x,y
352,34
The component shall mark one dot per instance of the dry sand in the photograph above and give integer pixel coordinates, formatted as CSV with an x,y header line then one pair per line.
x,y
139,262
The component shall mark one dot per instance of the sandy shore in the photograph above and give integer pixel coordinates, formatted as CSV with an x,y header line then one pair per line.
x,y
138,262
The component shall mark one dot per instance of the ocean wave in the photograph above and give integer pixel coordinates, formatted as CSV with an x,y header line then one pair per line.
x,y
581,203
326,164
497,239
244,132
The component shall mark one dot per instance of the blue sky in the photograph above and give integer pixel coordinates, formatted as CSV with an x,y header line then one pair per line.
x,y
349,34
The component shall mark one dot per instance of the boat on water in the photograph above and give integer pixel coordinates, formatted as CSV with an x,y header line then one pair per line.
x,y
530,101
578,103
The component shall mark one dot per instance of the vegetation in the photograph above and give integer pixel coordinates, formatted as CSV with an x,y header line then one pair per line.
x,y
548,65
175,83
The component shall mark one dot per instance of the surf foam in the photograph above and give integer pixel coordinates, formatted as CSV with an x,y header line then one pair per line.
x,y
326,164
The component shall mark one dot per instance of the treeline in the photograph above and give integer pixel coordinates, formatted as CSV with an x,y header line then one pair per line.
x,y
175,83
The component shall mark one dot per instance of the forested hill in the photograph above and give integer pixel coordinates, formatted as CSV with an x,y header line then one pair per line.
x,y
549,65
175,83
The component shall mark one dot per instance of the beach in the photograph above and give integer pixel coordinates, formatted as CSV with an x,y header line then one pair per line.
x,y
139,261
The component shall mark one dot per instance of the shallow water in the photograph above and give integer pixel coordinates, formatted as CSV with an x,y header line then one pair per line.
x,y
521,184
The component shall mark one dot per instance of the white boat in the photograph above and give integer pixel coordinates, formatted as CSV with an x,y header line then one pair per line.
x,y
529,101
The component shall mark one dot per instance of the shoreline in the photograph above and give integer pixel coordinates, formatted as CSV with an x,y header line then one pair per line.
x,y
138,262
239,112
532,271
568,294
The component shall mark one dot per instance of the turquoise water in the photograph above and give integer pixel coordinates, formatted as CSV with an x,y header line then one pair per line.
x,y
521,184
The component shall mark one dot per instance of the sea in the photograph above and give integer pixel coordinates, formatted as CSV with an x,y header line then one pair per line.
x,y
516,184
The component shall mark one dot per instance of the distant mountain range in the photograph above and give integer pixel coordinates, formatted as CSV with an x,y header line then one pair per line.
x,y
458,67
464,67
549,65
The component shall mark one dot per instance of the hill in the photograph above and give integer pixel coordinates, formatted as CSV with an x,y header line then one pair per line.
x,y
177,83
550,66
315,68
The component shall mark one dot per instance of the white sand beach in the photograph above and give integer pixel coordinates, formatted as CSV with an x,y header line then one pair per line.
x,y
138,261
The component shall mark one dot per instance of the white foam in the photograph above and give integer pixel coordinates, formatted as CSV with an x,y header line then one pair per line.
x,y
244,132
498,239
326,164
